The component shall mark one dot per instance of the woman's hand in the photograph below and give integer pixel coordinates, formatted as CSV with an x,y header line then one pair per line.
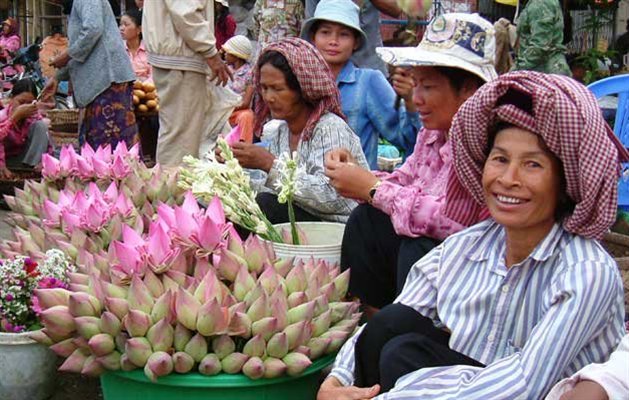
x,y
20,113
252,156
348,178
50,89
403,84
586,390
220,70
331,389
61,60
5,173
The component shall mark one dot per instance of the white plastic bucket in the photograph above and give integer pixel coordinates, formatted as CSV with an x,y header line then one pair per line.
x,y
324,242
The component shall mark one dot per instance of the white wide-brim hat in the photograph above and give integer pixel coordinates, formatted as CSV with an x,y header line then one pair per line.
x,y
458,40
238,46
343,12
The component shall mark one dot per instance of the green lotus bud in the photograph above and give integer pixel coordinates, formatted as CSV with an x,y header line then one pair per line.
x,y
259,308
110,324
84,305
337,339
187,309
153,283
162,307
232,364
197,347
92,367
243,284
139,296
138,350
126,364
229,264
239,325
209,288
255,347
296,363
81,343
75,362
277,346
296,298
327,290
341,311
119,307
137,323
303,312
169,284
253,368
305,350
161,336
118,292
255,254
159,364
274,368
101,344
210,365
318,346
58,319
64,348
223,345
49,298
265,327
321,305
87,326
213,319
284,265
182,337
296,279
183,362
269,280
297,333
254,294
41,337
111,361
346,325
321,324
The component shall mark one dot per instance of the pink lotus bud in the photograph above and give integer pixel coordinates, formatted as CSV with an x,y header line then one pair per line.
x,y
126,364
75,362
111,361
81,343
321,305
305,350
197,347
297,334
296,363
347,325
259,309
182,337
52,297
58,319
87,326
78,278
41,337
154,284
255,254
209,288
163,307
139,296
277,346
296,279
239,325
183,362
337,339
254,368
269,280
274,368
279,309
341,283
318,346
50,167
303,312
111,290
119,307
213,319
137,323
284,265
296,298
223,345
243,284
170,285
138,350
255,347
64,348
234,242
210,365
161,336
342,310
84,305
233,363
159,364
322,323
254,294
187,308
101,344
208,235
92,368
228,264
265,327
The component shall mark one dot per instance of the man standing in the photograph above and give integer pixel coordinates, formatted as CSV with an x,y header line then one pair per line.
x,y
182,49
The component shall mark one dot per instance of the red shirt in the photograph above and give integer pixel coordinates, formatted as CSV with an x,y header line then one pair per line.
x,y
224,30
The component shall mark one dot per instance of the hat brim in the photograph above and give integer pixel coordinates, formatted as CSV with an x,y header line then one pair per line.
x,y
306,27
236,54
415,57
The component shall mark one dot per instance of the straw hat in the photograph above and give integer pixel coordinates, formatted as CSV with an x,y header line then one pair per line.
x,y
239,46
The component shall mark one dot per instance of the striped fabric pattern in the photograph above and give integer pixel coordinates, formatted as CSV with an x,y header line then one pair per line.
x,y
531,325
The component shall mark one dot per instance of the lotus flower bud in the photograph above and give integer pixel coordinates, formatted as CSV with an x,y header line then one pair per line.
x,y
197,347
253,368
153,283
297,334
255,254
232,364
78,278
222,346
210,365
327,290
159,364
81,343
182,337
162,307
274,368
92,367
318,346
346,325
58,319
305,350
109,324
170,285
75,362
239,307
111,361
41,337
255,347
243,284
126,364
139,296
101,344
259,308
296,363
342,310
84,305
239,325
265,327
269,280
234,242
64,348
137,323
138,350
228,264
119,307
209,288
337,339
213,319
321,305
49,298
187,309
303,312
284,265
254,294
341,284
296,298
277,346
161,336
119,292
121,341
296,279
322,323
183,362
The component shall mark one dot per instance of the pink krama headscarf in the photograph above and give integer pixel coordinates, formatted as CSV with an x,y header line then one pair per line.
x,y
567,117
314,76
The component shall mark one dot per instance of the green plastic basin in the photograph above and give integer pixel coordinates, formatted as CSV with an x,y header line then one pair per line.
x,y
134,385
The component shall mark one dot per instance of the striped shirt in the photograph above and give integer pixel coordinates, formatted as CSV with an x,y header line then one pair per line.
x,y
532,324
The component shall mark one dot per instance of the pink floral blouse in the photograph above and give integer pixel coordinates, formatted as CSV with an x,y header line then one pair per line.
x,y
414,194
13,137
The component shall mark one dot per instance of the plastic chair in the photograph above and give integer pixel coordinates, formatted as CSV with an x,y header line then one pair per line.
x,y
618,85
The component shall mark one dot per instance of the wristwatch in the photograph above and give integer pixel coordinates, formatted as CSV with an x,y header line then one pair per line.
x,y
372,191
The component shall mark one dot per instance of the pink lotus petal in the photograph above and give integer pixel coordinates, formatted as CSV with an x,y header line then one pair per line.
x,y
50,167
123,205
101,168
134,152
87,152
67,160
167,214
186,224
120,169
209,234
65,199
94,217
120,150
215,211
52,213
190,204
80,203
103,153
159,243
111,194
129,257
132,238
69,221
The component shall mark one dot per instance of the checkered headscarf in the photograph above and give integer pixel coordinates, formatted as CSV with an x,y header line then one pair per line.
x,y
318,86
568,119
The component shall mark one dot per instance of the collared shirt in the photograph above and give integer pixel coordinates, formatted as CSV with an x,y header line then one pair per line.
x,y
274,20
414,194
368,102
317,195
531,324
242,78
140,63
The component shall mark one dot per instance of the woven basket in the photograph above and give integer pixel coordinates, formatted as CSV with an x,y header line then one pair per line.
x,y
64,120
618,246
61,139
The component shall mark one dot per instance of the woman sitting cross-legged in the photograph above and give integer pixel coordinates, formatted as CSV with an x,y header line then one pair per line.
x,y
507,307
297,88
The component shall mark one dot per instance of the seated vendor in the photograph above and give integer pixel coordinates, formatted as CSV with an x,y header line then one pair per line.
x,y
297,88
23,133
507,307
238,52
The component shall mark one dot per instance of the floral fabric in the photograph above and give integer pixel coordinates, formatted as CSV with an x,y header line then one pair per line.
x,y
242,78
275,20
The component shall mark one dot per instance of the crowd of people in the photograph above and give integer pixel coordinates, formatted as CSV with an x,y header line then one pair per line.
x,y
476,262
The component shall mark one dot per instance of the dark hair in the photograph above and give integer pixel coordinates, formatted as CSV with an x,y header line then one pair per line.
x,y
317,24
56,29
458,77
135,15
22,86
277,60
